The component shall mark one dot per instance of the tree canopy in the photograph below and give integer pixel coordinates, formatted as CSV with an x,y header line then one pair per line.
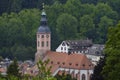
x,y
112,50
67,19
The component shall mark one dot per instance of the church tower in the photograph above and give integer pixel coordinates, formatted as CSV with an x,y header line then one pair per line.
x,y
43,38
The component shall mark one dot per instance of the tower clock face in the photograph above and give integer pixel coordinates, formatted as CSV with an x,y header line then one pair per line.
x,y
47,36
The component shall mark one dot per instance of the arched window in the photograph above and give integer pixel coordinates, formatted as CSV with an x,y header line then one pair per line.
x,y
47,44
83,77
42,44
38,36
38,43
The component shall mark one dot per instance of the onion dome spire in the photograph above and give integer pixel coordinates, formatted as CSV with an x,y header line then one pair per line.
x,y
43,23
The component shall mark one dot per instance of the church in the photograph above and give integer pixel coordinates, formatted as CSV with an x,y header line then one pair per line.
x,y
78,65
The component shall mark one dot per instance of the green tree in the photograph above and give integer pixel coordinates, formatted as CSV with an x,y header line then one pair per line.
x,y
44,71
97,73
64,77
73,7
111,70
103,26
67,26
87,27
13,70
114,5
53,12
14,5
103,9
3,6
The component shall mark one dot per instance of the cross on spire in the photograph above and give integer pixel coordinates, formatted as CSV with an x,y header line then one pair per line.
x,y
43,5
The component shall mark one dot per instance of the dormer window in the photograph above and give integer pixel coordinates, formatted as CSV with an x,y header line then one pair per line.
x,y
70,63
76,64
63,63
89,65
63,44
83,65
58,62
51,62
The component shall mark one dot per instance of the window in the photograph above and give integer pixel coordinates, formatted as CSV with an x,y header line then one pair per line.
x,y
51,62
47,36
70,63
63,63
83,77
65,48
76,64
42,36
58,62
38,36
63,44
61,48
83,65
47,44
42,44
38,43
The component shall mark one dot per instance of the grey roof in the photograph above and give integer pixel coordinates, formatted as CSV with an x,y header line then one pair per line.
x,y
79,43
43,29
43,24
96,49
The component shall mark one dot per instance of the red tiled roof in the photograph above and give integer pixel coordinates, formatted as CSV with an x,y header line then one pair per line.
x,y
63,60
2,70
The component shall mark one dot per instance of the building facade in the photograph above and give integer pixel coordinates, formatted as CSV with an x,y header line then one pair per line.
x,y
74,46
93,51
78,65
43,38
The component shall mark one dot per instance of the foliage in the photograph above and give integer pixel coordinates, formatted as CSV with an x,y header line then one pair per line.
x,y
64,77
13,70
44,70
111,70
66,26
67,19
87,26
97,74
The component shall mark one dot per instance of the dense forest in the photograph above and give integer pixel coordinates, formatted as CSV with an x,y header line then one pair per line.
x,y
67,19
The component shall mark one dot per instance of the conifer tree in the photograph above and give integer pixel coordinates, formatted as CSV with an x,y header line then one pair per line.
x,y
97,74
13,69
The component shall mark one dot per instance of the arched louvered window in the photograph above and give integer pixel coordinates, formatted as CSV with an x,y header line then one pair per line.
x,y
38,43
42,43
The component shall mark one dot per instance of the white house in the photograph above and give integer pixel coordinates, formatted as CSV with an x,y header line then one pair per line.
x,y
74,46
92,51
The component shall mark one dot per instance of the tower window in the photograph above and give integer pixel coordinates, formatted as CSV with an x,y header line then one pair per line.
x,y
38,36
42,44
47,44
38,43
42,36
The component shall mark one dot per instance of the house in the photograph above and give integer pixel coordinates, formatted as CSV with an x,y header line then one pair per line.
x,y
74,46
93,51
78,65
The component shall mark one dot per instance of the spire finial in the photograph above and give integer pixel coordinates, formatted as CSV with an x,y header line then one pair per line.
x,y
43,5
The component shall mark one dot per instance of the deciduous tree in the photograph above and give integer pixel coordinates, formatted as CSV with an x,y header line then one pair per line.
x,y
111,70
